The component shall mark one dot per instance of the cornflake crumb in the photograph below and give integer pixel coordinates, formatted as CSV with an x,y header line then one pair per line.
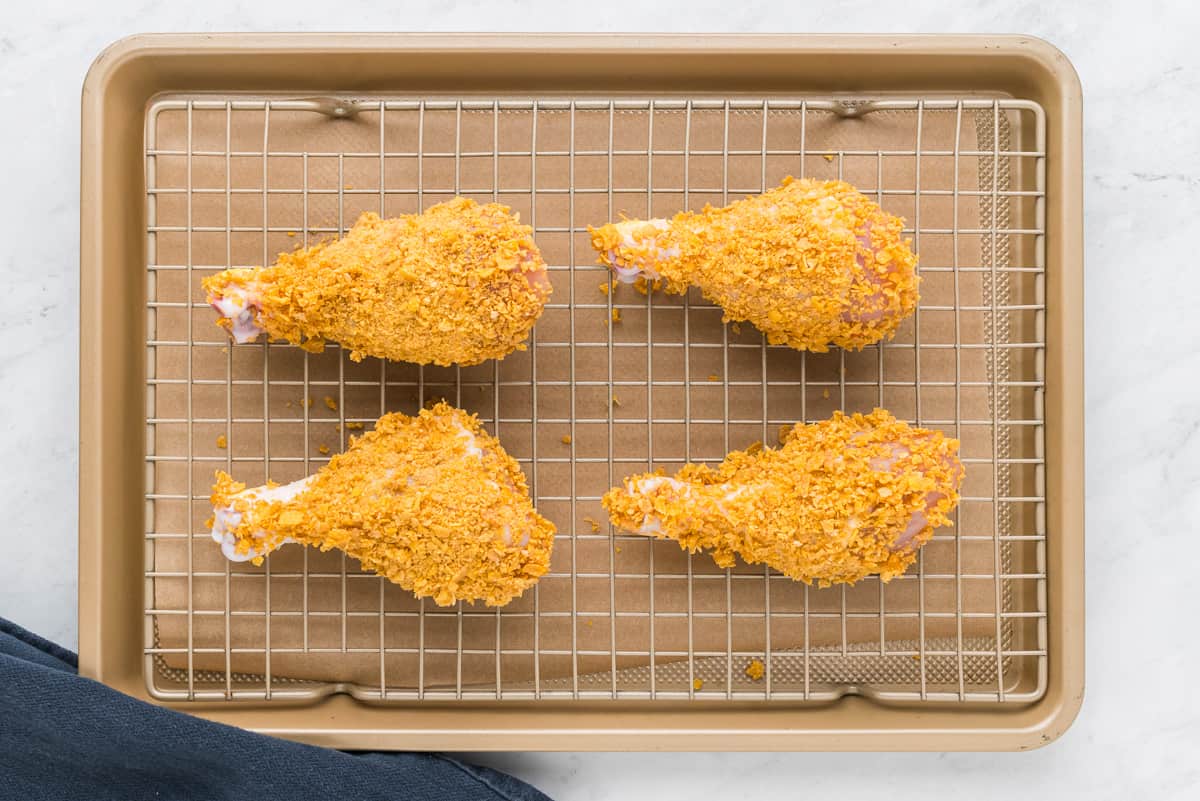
x,y
291,233
697,684
616,315
756,669
222,442
354,426
616,548
566,440
616,401
714,377
784,430
825,393
736,327
289,404
306,403
324,449
828,157
595,526
224,349
604,288
331,403
646,287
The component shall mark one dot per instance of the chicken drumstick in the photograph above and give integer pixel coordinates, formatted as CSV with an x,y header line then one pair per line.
x,y
459,284
842,499
432,502
809,263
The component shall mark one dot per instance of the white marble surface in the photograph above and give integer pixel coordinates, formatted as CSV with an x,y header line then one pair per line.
x,y
1139,733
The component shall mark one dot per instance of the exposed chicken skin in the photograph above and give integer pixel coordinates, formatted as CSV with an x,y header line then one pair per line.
x,y
840,500
809,263
432,502
459,284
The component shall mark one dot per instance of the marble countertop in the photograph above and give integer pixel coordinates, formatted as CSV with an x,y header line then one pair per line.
x,y
1139,731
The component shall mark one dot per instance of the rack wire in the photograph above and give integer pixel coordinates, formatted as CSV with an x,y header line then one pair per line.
x,y
232,180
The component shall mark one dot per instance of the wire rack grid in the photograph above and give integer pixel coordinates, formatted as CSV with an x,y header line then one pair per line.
x,y
594,398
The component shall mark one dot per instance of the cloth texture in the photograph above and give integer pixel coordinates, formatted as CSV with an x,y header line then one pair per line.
x,y
67,737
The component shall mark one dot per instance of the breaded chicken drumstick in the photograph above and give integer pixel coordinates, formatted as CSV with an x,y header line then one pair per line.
x,y
431,502
809,263
842,499
459,284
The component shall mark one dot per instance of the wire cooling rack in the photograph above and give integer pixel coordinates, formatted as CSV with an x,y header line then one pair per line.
x,y
231,181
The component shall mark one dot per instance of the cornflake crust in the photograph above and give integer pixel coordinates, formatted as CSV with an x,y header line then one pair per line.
x,y
810,263
459,284
431,502
849,497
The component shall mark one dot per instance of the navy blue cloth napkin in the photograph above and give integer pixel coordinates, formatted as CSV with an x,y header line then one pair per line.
x,y
67,737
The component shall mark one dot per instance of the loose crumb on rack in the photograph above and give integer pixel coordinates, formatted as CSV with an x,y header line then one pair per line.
x,y
224,349
595,525
616,549
289,404
354,426
616,315
222,442
331,403
291,233
714,377
604,287
735,327
306,403
756,669
566,439
828,157
324,449
825,393
616,401
697,684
